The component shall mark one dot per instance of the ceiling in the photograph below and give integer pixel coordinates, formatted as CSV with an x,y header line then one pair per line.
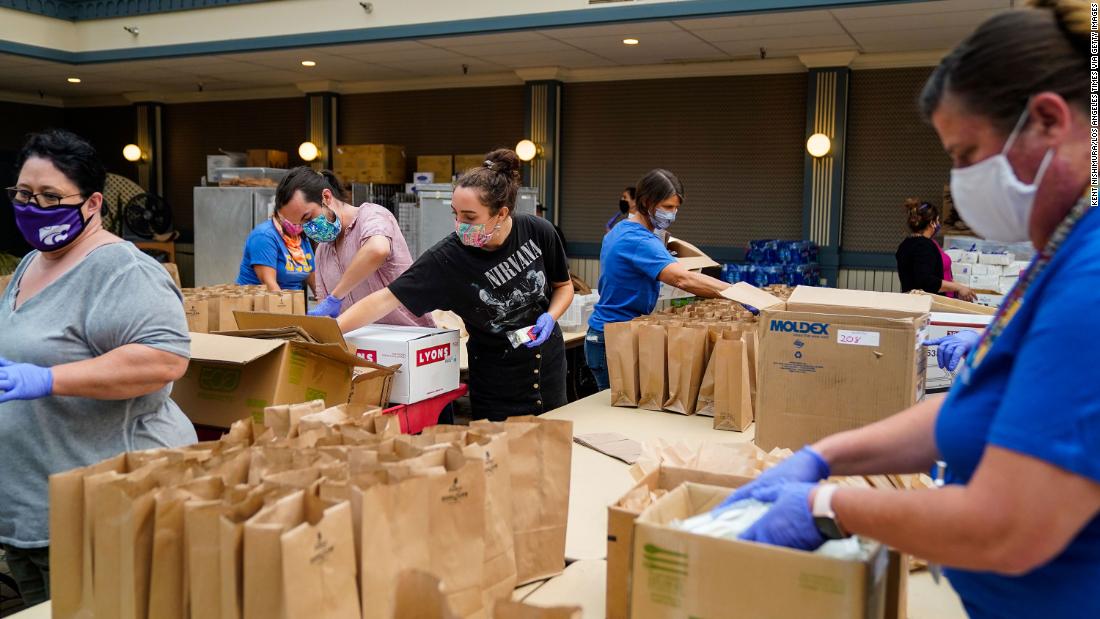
x,y
909,27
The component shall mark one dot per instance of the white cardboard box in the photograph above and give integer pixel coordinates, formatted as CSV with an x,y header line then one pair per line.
x,y
969,257
990,300
429,358
991,283
1007,284
423,178
941,325
959,269
997,259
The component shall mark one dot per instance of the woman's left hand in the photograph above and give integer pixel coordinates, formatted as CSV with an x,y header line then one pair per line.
x,y
544,327
24,381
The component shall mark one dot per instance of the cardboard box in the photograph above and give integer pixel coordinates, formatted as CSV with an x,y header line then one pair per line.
x,y
690,256
990,283
264,158
231,160
370,163
997,259
442,166
990,300
959,269
232,377
677,574
964,279
967,257
463,163
423,178
954,306
1016,268
429,358
620,529
941,325
1007,284
830,360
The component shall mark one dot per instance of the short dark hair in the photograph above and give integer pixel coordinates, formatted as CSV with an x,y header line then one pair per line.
x,y
920,214
655,187
310,182
497,180
632,192
74,156
1012,56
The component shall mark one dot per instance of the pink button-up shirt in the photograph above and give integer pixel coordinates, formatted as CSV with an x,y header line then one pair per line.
x,y
335,257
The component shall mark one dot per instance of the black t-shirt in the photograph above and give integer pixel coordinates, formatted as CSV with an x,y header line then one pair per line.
x,y
494,292
920,266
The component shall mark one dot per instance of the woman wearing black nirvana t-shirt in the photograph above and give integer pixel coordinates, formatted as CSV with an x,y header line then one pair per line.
x,y
499,272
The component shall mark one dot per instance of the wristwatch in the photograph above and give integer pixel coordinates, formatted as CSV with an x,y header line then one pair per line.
x,y
824,516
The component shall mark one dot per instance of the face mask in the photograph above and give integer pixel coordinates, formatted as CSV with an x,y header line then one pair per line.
x,y
992,200
936,230
290,229
662,219
624,207
474,235
49,229
321,230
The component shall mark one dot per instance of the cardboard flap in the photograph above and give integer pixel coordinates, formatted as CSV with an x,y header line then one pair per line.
x,y
227,349
338,353
747,294
691,257
321,328
893,302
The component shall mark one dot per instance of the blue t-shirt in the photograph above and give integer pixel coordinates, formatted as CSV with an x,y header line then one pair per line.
x,y
266,247
631,258
1036,393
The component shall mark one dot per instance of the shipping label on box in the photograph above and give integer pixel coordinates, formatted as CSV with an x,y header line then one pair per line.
x,y
682,575
429,358
941,325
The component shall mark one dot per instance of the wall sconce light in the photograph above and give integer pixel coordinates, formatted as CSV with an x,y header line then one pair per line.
x,y
308,151
819,145
528,150
133,152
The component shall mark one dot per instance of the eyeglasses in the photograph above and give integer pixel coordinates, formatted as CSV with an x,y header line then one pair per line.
x,y
45,199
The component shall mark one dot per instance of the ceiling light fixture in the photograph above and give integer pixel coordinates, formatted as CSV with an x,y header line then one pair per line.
x,y
631,41
819,145
309,63
73,80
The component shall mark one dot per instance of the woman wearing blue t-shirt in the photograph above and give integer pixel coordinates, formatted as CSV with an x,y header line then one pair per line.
x,y
1018,523
634,262
277,253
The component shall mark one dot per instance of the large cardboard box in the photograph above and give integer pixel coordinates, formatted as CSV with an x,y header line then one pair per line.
x,y
464,163
677,574
692,258
620,528
265,158
440,165
955,306
942,325
429,358
232,377
831,360
370,163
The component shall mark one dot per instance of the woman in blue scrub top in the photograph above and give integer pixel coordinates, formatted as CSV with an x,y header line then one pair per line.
x,y
1018,524
277,253
634,262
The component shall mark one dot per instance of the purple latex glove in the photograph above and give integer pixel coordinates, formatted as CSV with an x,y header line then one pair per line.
x,y
542,330
789,522
804,465
330,307
24,381
954,348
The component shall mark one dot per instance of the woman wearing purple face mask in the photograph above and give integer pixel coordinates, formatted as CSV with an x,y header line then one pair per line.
x,y
500,272
278,253
922,263
92,335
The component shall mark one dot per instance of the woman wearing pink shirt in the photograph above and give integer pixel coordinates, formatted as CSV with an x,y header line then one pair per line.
x,y
922,263
359,250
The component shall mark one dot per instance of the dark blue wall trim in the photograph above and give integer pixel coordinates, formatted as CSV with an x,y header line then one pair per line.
x,y
580,249
845,259
867,260
555,19
77,10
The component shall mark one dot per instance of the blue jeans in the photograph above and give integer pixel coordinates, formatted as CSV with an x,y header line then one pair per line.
x,y
595,354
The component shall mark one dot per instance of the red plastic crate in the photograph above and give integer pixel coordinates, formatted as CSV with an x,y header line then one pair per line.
x,y
419,415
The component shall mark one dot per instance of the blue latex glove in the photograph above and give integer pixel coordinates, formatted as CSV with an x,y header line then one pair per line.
x,y
954,348
789,522
804,465
24,381
544,327
330,307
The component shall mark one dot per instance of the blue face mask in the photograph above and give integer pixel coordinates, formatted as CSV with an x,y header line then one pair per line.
x,y
321,230
662,219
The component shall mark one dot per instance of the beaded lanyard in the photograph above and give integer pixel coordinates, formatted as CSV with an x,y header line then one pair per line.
x,y
1012,303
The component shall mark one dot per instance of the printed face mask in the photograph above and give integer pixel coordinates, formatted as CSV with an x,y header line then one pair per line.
x,y
49,229
474,235
321,230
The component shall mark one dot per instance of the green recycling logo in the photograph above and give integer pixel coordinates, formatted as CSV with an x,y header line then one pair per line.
x,y
664,560
219,379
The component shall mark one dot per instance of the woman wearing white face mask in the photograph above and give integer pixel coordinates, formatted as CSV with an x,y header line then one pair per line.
x,y
500,272
1019,433
634,262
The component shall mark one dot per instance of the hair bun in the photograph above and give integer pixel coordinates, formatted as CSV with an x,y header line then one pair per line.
x,y
1073,16
504,161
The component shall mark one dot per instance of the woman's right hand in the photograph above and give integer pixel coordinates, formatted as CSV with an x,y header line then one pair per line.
x,y
966,294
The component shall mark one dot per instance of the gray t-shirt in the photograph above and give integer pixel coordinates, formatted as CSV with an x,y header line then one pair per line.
x,y
115,296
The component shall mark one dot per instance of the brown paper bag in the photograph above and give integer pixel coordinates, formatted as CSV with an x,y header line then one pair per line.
x,y
705,401
420,594
732,396
508,609
622,362
652,366
319,563
499,572
298,302
198,314
71,539
686,352
751,338
283,419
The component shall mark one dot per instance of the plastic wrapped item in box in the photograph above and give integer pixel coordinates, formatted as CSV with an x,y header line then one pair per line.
x,y
248,177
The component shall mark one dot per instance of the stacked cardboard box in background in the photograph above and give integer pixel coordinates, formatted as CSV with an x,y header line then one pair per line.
x,y
991,269
370,163
210,309
442,166
265,158
463,163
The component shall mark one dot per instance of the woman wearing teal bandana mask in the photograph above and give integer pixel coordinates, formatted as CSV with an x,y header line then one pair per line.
x,y
500,272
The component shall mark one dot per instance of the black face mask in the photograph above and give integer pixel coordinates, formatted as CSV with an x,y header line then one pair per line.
x,y
624,206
